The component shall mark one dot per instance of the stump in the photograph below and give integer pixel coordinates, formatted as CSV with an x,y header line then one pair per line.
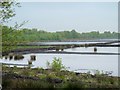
x,y
6,57
32,57
95,49
11,55
18,57
29,64
57,49
62,49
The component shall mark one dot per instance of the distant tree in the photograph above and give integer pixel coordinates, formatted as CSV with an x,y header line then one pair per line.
x,y
74,34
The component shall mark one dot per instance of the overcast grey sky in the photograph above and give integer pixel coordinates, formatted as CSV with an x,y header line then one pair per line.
x,y
60,16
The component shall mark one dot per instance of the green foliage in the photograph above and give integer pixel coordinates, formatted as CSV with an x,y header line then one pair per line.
x,y
56,64
34,35
42,76
10,84
7,10
55,79
12,37
97,72
25,72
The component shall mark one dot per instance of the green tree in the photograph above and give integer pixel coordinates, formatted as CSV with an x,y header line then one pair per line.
x,y
7,11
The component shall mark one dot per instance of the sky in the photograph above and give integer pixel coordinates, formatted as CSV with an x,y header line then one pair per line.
x,y
68,0
65,16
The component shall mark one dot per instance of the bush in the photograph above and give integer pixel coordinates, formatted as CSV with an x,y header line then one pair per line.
x,y
56,64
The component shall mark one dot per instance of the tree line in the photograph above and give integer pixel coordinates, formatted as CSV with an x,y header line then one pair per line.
x,y
10,34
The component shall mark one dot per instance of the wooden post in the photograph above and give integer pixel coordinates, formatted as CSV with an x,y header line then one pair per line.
x,y
29,64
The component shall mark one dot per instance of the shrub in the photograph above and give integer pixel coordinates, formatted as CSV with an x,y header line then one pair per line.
x,y
56,64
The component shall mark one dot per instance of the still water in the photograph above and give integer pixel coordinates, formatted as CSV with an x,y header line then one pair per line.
x,y
78,62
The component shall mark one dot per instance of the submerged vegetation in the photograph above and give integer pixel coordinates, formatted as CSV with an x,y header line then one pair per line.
x,y
55,77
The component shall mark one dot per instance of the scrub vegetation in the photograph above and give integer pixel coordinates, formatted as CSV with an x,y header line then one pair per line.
x,y
55,76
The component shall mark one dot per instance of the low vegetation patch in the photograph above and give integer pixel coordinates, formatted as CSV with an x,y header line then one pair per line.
x,y
55,76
